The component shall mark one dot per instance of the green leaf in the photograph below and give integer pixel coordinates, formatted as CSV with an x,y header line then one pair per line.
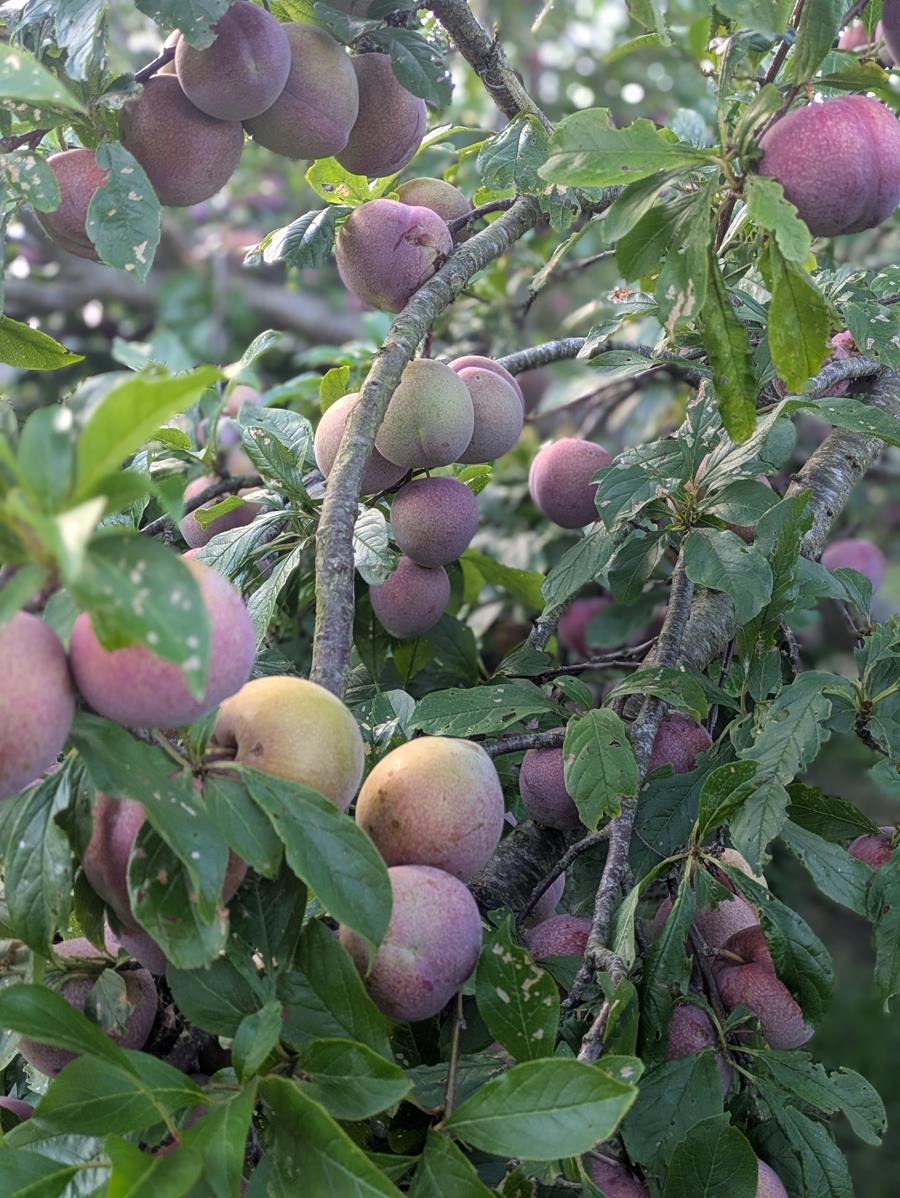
x,y
418,63
372,553
666,973
513,158
543,1110
197,17
43,1015
884,912
267,918
799,323
349,1079
340,188
600,769
21,588
834,871
832,819
817,29
255,1038
637,199
823,1165
767,206
334,386
846,412
29,1175
585,151
720,560
216,998
714,1160
26,348
479,710
844,1090
673,1098
444,1172
728,347
23,78
243,827
37,864
524,585
580,564
518,1001
677,688
123,217
137,1174
307,241
221,1137
743,502
723,792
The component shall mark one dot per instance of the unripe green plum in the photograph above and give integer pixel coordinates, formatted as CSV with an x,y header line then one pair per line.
x,y
838,162
873,850
430,948
434,519
245,69
434,801
499,415
194,534
542,785
386,250
441,197
560,480
79,177
756,986
430,418
690,1031
615,1181
295,729
479,362
17,1107
572,630
768,1183
136,688
142,1002
37,701
559,936
391,121
854,553
188,156
678,742
318,107
380,474
412,600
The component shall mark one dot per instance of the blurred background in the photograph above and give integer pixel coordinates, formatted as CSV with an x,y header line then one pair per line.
x,y
201,304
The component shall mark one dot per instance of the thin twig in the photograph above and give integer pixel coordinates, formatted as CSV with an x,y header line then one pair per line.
x,y
163,59
567,859
468,218
519,742
453,1063
781,52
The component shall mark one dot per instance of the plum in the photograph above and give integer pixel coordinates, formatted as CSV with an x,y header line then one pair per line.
x,y
37,701
17,1107
434,801
560,480
441,197
572,630
768,1183
429,420
434,519
755,985
412,600
614,1180
294,729
478,362
889,28
558,936
430,948
678,742
715,925
136,688
391,120
690,1031
854,553
318,107
194,534
546,905
380,474
499,415
79,177
240,396
542,785
874,850
386,250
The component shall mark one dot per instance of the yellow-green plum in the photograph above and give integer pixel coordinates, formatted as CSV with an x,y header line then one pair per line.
x,y
874,850
245,69
690,1031
188,156
434,801
434,519
430,418
542,785
136,688
197,536
391,120
412,600
755,985
768,1183
294,729
79,177
678,742
438,195
614,1180
386,250
855,553
380,474
37,701
560,480
318,107
140,999
479,362
430,948
572,630
559,936
499,415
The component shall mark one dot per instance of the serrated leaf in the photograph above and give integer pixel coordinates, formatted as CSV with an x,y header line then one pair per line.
x,y
418,63
834,871
600,769
714,1160
444,1172
820,21
673,1098
195,18
728,347
307,241
767,206
372,553
479,710
23,78
351,1080
799,322
720,560
518,1001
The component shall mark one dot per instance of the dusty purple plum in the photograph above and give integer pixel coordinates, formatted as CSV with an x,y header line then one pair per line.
x,y
136,688
141,997
195,535
386,250
542,785
768,1183
545,907
434,801
838,162
245,69
441,197
78,176
715,925
380,474
615,1181
412,600
690,1031
499,415
434,519
430,419
17,1107
37,701
854,553
478,362
188,156
678,742
889,28
558,936
391,121
560,480
430,948
318,107
572,630
756,985
873,850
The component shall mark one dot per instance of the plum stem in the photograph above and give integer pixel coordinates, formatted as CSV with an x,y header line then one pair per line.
x,y
453,1063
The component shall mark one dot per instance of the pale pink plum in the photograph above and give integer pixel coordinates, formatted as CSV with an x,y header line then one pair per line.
x,y
756,986
78,176
441,197
546,905
558,936
20,1109
386,250
714,925
615,1181
499,415
380,474
195,535
571,632
391,121
560,480
838,162
136,688
142,1001
412,600
37,701
478,362
769,1184
854,553
430,419
873,850
678,742
240,396
434,519
542,785
245,69
690,1031
434,801
430,948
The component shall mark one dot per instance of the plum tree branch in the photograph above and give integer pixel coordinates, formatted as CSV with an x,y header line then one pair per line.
x,y
570,347
468,218
225,486
521,742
